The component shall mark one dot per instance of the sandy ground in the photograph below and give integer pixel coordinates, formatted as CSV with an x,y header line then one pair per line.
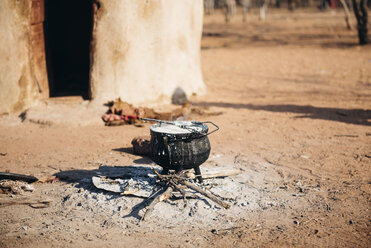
x,y
295,92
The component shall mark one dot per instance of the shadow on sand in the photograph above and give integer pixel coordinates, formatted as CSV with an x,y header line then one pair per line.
x,y
350,116
129,150
261,35
82,179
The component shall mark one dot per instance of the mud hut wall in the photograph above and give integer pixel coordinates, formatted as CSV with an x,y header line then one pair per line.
x,y
18,89
142,50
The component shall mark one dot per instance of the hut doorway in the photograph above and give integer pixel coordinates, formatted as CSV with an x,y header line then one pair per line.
x,y
68,31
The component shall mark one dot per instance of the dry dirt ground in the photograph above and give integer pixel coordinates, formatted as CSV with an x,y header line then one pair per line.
x,y
295,92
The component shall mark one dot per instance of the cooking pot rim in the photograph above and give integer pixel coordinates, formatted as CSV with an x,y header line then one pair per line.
x,y
204,128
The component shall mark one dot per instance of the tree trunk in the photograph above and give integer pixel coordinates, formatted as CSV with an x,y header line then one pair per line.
x,y
360,11
347,14
263,9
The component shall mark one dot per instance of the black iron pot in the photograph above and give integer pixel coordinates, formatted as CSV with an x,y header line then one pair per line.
x,y
180,145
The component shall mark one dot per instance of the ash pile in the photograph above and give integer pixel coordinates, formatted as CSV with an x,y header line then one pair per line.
x,y
147,183
125,193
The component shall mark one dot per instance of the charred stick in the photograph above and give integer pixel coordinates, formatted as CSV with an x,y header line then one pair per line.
x,y
165,178
164,196
180,197
205,193
176,186
161,177
170,178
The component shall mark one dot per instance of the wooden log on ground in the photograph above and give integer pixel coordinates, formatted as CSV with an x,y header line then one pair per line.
x,y
33,204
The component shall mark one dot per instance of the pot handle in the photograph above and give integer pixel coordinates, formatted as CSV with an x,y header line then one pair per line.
x,y
216,127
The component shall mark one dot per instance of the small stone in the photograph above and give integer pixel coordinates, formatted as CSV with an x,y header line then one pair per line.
x,y
214,231
179,97
315,231
27,187
141,145
296,222
351,222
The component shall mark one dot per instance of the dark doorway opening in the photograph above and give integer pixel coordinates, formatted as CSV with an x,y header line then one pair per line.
x,y
68,29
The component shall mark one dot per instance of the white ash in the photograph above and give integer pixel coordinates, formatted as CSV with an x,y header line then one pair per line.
x,y
239,191
139,186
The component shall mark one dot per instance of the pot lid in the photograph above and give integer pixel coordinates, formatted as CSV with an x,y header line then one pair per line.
x,y
180,127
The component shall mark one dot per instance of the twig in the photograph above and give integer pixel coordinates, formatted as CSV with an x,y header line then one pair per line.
x,y
178,188
164,196
170,179
151,196
205,193
166,177
180,197
33,204
346,135
130,192
215,173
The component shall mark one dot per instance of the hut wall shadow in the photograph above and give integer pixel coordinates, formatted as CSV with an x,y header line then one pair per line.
x,y
350,116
